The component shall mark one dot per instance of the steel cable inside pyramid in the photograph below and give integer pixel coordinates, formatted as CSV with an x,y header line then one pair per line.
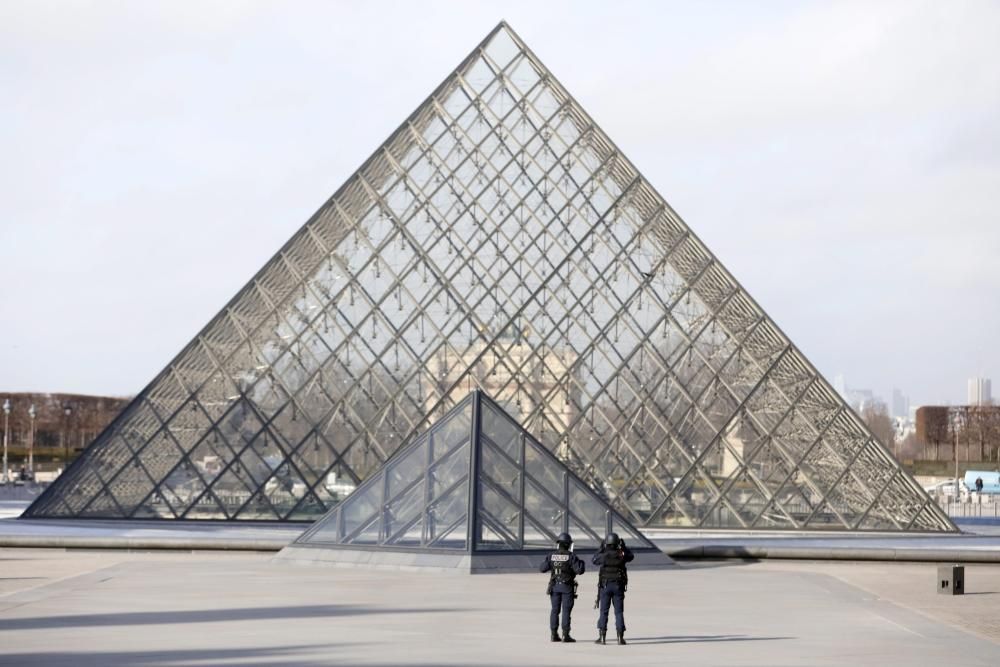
x,y
497,240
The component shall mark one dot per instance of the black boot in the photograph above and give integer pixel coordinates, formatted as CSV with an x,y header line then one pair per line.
x,y
621,638
601,634
567,639
555,636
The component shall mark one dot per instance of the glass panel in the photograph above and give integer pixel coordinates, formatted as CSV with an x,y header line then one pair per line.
x,y
535,536
543,470
410,537
454,430
361,506
501,472
543,510
325,530
492,538
369,535
309,507
207,507
498,518
455,537
584,537
402,511
632,537
588,509
403,470
103,503
501,431
443,515
446,472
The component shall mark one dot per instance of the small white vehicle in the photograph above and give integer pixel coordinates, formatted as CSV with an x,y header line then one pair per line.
x,y
946,490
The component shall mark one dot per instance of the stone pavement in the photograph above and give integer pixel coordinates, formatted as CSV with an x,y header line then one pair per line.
x,y
126,534
911,585
980,544
114,609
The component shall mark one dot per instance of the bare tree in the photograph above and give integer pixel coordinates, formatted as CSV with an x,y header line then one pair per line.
x,y
989,422
958,429
910,447
932,427
876,415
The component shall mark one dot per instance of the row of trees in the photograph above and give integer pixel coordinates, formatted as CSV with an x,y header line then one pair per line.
x,y
969,432
62,421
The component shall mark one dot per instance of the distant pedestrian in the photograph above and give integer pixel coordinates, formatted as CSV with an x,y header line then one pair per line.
x,y
564,566
979,485
612,584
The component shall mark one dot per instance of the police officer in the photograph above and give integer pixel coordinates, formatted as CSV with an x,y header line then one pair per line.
x,y
612,583
565,566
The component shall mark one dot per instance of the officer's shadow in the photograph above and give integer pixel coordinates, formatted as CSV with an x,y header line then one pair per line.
x,y
685,639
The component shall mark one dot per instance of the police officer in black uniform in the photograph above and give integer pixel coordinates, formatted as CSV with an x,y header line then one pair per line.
x,y
565,566
611,585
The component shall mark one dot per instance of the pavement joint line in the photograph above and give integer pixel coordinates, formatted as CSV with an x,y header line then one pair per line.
x,y
920,612
898,625
50,582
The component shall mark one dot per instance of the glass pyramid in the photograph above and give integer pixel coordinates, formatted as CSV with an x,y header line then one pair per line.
x,y
520,496
498,239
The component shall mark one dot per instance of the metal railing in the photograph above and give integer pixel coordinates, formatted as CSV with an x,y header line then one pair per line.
x,y
987,507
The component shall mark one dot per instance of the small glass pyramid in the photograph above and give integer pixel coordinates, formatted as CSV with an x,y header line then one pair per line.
x,y
520,496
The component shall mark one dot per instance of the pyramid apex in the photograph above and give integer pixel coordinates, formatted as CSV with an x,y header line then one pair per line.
x,y
505,27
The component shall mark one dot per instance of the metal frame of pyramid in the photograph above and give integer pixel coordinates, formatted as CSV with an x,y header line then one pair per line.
x,y
498,239
476,492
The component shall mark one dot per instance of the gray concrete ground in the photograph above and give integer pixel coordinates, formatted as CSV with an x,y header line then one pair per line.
x,y
980,543
11,509
114,608
91,533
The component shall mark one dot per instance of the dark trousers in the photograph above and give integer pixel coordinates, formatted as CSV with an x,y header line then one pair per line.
x,y
612,593
562,601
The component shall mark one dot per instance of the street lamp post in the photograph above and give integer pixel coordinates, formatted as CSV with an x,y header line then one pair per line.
x,y
68,412
31,441
6,435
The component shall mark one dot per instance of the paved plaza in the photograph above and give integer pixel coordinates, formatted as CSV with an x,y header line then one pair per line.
x,y
117,608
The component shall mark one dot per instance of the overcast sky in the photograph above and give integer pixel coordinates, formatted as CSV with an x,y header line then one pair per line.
x,y
841,159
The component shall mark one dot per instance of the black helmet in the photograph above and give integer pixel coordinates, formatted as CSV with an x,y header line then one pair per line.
x,y
564,538
612,540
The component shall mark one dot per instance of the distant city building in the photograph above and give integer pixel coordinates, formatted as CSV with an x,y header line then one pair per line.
x,y
900,404
528,377
858,399
980,391
903,426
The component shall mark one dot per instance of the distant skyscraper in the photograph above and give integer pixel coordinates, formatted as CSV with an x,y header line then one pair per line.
x,y
900,404
979,391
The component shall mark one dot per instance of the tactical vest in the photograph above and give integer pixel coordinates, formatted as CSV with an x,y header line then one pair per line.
x,y
562,567
613,567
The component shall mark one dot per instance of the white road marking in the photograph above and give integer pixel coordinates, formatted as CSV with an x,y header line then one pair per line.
x,y
901,627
